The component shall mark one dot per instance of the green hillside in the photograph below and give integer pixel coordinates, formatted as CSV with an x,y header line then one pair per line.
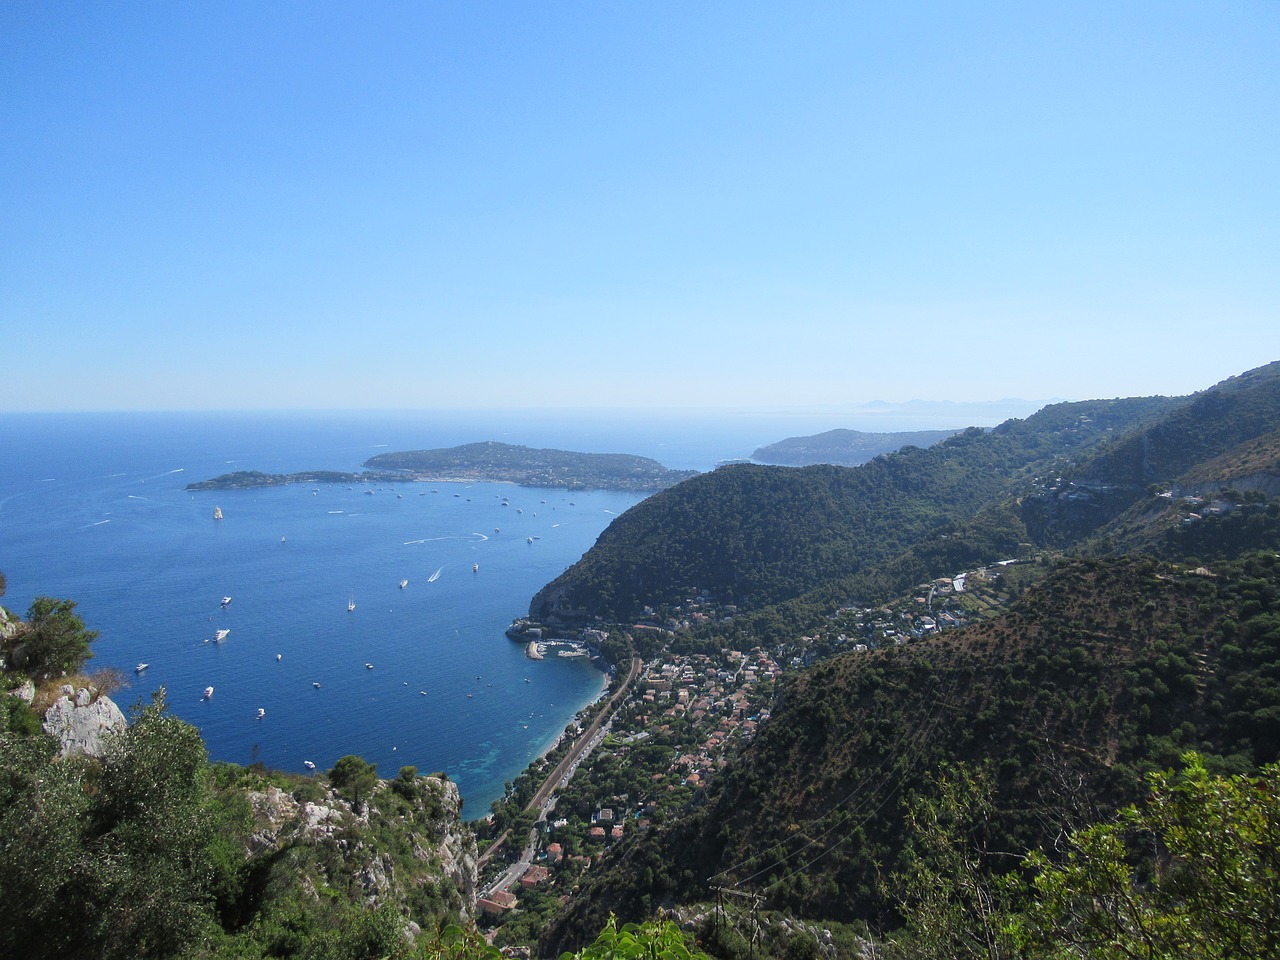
x,y
845,448
1107,670
756,535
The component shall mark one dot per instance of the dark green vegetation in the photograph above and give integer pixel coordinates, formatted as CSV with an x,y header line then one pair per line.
x,y
152,852
756,536
488,461
1151,630
845,448
1107,671
250,479
52,642
1086,768
531,467
148,850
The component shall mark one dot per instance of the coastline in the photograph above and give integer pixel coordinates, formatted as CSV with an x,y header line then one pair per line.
x,y
559,737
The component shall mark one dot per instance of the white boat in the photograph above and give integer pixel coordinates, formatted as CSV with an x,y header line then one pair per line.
x,y
220,636
208,693
351,605
261,713
225,601
140,667
278,658
475,568
217,513
308,764
316,684
403,584
368,666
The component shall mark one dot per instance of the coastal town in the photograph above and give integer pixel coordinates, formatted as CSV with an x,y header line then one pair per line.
x,y
671,726
660,735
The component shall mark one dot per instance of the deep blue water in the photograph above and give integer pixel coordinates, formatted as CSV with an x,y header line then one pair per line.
x,y
93,508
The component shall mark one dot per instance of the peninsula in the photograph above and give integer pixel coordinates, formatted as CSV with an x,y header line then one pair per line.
x,y
486,461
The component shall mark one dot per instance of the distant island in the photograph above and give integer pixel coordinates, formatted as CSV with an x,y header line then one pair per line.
x,y
486,461
844,448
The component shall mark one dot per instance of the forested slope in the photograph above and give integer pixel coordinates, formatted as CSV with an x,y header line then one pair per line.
x,y
1107,670
754,535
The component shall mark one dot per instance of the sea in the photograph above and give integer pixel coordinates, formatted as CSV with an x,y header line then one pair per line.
x,y
94,508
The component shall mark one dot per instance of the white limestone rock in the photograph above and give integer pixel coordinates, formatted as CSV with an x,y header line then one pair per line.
x,y
84,725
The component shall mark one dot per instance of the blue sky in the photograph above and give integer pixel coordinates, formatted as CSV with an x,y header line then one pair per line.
x,y
703,206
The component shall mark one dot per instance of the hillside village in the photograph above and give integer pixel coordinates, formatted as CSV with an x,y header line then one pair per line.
x,y
689,712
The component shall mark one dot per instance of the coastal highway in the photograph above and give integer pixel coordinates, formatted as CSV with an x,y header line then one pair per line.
x,y
568,763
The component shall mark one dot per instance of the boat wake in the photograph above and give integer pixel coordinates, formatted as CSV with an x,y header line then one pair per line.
x,y
435,576
98,523
167,473
474,536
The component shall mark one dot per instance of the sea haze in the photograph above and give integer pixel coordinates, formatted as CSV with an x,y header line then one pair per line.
x,y
93,508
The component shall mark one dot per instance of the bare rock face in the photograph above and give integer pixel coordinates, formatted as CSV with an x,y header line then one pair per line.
x,y
340,839
25,693
8,628
82,725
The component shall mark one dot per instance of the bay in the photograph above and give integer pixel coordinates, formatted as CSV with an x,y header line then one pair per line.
x,y
93,508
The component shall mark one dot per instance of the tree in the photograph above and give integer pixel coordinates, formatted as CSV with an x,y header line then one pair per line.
x,y
353,776
954,905
648,941
113,858
1212,891
57,641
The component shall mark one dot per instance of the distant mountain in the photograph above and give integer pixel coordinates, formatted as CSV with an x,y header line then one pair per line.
x,y
530,467
847,448
759,535
488,461
1154,527
756,536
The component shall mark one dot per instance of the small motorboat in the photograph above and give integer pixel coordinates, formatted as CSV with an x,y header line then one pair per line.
x,y
308,764
140,667
261,713
208,693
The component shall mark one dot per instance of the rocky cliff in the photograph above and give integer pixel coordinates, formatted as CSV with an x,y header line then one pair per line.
x,y
82,721
406,846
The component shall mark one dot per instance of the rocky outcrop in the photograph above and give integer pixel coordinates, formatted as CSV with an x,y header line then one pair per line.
x,y
457,850
8,628
82,722
315,825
